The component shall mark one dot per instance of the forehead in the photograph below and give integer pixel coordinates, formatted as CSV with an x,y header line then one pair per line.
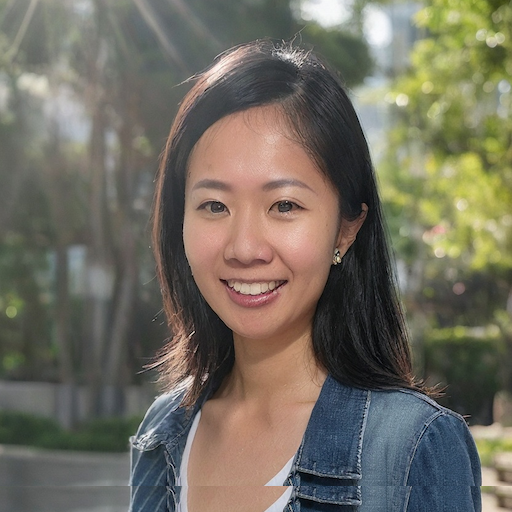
x,y
258,139
268,123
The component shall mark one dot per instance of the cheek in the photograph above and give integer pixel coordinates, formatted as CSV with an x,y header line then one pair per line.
x,y
201,247
192,244
309,250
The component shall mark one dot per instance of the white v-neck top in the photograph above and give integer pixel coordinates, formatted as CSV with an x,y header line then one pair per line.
x,y
182,480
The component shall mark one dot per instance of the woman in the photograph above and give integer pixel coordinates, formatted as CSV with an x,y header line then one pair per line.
x,y
288,377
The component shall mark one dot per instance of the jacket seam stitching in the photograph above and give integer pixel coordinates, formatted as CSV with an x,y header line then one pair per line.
x,y
420,438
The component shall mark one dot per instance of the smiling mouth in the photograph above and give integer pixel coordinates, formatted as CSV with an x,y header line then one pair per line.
x,y
253,288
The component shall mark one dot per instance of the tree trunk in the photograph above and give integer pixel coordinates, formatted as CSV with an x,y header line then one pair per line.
x,y
126,254
100,272
99,267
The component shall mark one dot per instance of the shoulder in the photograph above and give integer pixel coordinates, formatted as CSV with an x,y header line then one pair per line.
x,y
149,468
421,452
409,418
405,408
163,423
161,420
443,467
394,411
428,441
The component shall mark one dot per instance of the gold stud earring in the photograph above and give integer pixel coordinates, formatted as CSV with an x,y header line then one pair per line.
x,y
336,259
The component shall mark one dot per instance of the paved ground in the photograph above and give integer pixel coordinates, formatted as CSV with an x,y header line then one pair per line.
x,y
43,481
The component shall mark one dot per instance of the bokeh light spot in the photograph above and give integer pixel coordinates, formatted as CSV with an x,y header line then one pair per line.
x,y
504,86
459,288
402,100
481,35
500,38
462,204
11,312
491,42
439,252
427,87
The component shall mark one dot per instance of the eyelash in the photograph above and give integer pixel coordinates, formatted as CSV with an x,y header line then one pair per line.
x,y
209,205
294,206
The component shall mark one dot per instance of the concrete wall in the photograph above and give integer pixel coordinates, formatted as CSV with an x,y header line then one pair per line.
x,y
56,400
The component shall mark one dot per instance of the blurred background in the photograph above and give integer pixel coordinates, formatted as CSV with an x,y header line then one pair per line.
x,y
88,91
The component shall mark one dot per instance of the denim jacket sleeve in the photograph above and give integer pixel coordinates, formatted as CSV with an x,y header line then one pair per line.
x,y
152,470
445,470
417,456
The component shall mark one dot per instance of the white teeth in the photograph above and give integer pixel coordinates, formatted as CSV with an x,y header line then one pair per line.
x,y
252,288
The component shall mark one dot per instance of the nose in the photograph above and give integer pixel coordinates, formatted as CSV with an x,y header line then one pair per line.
x,y
248,241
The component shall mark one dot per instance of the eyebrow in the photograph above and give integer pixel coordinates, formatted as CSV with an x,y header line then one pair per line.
x,y
271,185
213,184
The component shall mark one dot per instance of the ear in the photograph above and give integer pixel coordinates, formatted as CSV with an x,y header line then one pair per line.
x,y
349,229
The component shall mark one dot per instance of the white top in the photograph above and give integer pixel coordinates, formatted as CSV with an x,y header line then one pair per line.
x,y
182,480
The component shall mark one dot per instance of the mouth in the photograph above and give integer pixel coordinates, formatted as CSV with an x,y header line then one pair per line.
x,y
253,288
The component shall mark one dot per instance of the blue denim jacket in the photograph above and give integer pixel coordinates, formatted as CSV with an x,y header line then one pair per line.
x,y
365,451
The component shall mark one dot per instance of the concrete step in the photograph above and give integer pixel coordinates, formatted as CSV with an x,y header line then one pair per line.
x,y
503,466
504,496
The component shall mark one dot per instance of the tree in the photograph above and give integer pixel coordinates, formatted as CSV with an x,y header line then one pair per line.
x,y
449,169
25,223
116,64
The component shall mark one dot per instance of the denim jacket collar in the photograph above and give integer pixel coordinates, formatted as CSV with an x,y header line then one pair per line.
x,y
327,467
328,462
171,428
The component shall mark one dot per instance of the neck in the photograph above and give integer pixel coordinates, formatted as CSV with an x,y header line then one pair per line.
x,y
270,372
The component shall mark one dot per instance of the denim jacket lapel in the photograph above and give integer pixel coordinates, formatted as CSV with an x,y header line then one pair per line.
x,y
328,464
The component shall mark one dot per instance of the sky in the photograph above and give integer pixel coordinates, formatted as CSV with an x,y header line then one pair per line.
x,y
330,13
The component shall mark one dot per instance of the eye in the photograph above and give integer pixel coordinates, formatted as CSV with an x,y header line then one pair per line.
x,y
213,207
285,206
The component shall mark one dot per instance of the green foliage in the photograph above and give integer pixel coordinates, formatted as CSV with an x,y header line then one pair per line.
x,y
343,50
488,448
19,428
469,362
455,132
447,185
24,315
122,60
105,435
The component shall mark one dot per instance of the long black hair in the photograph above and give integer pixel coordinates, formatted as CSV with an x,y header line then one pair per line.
x,y
359,333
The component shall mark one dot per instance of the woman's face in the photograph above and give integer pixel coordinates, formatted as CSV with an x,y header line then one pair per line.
x,y
261,225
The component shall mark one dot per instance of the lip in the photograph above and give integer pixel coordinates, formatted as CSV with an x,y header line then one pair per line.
x,y
253,301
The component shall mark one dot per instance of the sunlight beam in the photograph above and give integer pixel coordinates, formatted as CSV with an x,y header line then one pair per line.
x,y
13,50
195,22
152,21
